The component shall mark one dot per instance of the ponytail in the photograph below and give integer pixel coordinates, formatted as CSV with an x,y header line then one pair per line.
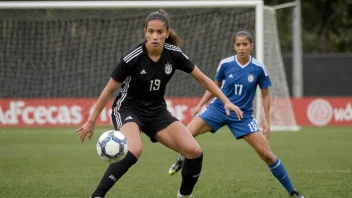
x,y
173,39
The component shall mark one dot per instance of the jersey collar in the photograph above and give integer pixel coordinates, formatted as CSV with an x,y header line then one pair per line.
x,y
245,65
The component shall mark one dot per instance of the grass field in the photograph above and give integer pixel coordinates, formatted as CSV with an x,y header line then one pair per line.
x,y
52,163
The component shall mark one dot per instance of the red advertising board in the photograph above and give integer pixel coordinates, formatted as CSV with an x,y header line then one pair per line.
x,y
314,111
72,111
75,111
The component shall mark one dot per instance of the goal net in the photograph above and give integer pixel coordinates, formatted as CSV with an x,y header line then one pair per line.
x,y
281,114
65,57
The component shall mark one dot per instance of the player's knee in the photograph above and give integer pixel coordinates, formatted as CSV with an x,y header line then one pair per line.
x,y
267,156
193,152
136,151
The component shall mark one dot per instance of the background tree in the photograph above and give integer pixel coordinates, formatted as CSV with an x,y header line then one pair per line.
x,y
326,25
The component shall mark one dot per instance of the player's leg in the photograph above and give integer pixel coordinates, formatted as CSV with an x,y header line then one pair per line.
x,y
196,127
258,141
176,137
173,134
211,119
132,133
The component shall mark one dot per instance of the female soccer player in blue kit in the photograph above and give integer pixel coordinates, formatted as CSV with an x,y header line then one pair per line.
x,y
238,77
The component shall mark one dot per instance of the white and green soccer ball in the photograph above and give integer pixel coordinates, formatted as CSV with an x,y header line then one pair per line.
x,y
112,146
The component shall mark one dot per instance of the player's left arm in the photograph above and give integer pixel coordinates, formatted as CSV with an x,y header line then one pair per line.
x,y
205,99
266,103
264,84
213,88
207,83
186,65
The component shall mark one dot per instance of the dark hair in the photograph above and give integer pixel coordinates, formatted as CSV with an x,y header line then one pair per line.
x,y
242,33
173,39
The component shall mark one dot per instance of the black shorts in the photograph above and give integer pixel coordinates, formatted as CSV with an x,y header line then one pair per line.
x,y
150,125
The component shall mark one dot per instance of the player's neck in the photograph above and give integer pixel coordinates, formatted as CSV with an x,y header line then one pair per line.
x,y
154,54
243,60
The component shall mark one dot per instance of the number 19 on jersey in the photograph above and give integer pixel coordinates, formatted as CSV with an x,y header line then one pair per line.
x,y
154,85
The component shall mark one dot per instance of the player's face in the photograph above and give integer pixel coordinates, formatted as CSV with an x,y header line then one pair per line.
x,y
156,34
242,46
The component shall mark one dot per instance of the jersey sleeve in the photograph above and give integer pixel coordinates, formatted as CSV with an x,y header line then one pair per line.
x,y
184,63
263,80
220,73
120,72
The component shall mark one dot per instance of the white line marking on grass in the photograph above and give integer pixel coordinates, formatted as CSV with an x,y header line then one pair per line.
x,y
330,171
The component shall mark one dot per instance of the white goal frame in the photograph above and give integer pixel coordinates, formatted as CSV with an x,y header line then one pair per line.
x,y
257,4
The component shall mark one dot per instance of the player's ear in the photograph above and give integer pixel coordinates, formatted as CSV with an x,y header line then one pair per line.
x,y
168,33
145,33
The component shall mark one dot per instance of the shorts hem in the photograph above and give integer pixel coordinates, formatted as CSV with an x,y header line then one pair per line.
x,y
241,136
152,137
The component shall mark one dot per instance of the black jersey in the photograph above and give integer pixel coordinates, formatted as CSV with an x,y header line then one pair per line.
x,y
144,81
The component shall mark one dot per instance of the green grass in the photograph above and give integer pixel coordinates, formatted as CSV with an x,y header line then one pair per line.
x,y
45,162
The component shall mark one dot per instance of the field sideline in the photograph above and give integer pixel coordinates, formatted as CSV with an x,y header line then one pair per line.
x,y
46,162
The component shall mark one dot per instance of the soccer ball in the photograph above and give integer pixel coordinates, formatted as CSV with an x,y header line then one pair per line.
x,y
112,146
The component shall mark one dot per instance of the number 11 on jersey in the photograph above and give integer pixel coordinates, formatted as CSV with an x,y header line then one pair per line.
x,y
154,85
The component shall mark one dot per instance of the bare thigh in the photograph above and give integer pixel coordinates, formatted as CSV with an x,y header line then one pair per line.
x,y
198,126
261,146
134,139
178,138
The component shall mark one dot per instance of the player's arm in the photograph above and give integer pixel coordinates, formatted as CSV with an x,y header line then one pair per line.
x,y
88,127
118,75
207,83
266,104
208,95
205,99
264,84
103,99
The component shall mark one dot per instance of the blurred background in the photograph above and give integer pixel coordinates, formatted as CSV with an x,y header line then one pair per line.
x,y
64,53
326,45
55,61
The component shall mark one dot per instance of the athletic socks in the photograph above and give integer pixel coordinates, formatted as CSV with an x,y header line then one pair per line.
x,y
278,170
190,174
113,173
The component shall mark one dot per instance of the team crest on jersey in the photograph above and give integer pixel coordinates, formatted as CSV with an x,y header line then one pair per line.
x,y
168,68
250,78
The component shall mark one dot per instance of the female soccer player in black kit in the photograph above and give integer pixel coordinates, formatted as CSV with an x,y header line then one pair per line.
x,y
143,74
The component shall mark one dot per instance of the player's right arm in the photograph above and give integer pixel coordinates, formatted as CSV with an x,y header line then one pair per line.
x,y
205,99
88,127
109,89
117,76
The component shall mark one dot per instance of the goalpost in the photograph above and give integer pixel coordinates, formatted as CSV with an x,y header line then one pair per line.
x,y
74,42
282,116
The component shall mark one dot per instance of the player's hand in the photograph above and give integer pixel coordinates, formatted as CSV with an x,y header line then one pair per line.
x,y
86,129
231,107
266,129
196,110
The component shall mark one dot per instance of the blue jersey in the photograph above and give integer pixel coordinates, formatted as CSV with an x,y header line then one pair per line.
x,y
239,82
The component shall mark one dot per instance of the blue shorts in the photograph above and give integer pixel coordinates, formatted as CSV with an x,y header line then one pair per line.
x,y
216,118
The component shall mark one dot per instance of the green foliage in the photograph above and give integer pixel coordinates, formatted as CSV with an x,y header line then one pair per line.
x,y
326,26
